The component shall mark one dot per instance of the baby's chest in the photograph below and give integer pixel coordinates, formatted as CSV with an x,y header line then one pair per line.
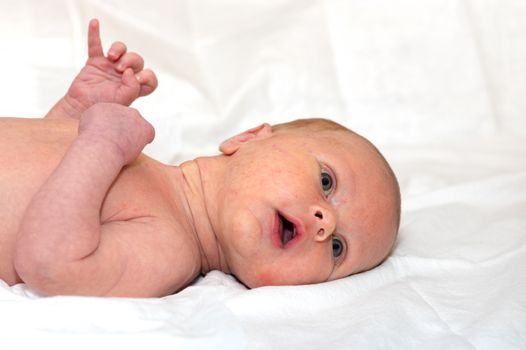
x,y
138,191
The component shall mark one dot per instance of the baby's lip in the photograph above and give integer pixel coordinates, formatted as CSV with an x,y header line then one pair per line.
x,y
286,230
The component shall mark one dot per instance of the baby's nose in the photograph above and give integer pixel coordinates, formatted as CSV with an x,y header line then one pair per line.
x,y
324,222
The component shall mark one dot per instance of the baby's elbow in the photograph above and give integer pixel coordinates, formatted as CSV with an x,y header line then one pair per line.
x,y
38,269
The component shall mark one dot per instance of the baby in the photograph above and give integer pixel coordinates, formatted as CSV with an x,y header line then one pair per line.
x,y
85,213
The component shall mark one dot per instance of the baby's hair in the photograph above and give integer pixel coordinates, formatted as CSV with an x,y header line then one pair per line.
x,y
320,124
312,124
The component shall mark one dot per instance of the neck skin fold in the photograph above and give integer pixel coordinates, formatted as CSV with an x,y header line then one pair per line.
x,y
201,193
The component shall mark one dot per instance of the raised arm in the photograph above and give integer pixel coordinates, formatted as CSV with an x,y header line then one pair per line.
x,y
118,77
61,229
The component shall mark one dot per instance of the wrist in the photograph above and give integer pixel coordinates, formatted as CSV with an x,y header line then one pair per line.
x,y
69,107
102,147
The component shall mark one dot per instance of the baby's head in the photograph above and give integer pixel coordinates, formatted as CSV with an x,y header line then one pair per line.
x,y
305,202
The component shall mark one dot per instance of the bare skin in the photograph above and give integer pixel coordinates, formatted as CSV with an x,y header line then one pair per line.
x,y
57,170
85,213
126,250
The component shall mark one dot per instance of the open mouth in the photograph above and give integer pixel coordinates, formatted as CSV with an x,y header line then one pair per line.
x,y
287,230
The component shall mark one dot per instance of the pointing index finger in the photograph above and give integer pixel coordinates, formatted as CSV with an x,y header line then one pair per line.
x,y
94,44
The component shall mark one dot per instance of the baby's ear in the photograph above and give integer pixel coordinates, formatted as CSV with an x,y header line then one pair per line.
x,y
231,145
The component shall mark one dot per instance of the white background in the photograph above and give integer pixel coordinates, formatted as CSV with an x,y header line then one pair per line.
x,y
439,86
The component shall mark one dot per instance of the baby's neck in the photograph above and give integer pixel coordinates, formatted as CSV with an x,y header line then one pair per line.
x,y
198,213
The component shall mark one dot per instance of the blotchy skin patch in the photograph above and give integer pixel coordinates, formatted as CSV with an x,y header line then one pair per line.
x,y
265,279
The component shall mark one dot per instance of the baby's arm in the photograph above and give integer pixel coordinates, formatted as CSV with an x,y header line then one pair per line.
x,y
62,247
118,77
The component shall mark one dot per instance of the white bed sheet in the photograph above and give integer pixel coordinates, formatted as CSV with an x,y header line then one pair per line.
x,y
439,86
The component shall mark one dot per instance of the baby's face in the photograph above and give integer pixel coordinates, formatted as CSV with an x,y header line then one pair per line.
x,y
305,208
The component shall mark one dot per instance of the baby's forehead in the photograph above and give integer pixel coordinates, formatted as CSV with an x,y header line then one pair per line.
x,y
339,140
334,138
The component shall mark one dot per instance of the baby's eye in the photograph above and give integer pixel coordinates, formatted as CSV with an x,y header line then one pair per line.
x,y
337,247
326,182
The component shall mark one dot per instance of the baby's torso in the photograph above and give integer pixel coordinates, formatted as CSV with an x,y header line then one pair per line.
x,y
30,149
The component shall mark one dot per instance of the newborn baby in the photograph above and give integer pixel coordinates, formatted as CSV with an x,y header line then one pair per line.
x,y
85,213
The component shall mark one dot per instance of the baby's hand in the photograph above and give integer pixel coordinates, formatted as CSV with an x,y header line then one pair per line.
x,y
118,77
120,129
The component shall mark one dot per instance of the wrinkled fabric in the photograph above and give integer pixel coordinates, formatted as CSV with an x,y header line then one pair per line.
x,y
438,86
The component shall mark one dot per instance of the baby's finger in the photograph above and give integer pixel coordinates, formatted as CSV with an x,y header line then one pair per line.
x,y
94,44
130,60
148,82
116,50
130,81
